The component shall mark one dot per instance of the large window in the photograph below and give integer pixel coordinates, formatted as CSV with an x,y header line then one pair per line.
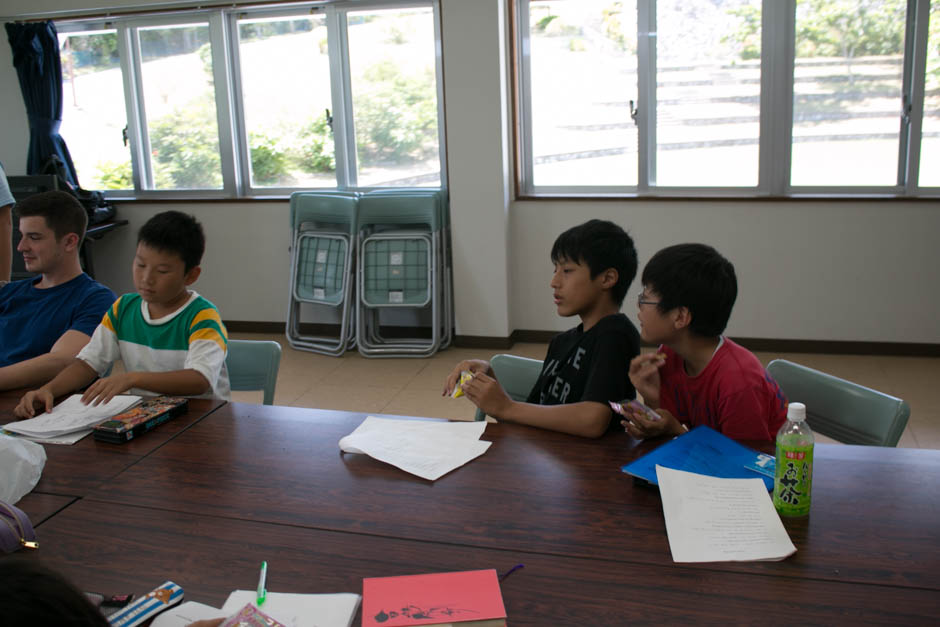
x,y
261,101
728,97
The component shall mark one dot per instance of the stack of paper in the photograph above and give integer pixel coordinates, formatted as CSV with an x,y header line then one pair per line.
x,y
427,448
70,420
713,519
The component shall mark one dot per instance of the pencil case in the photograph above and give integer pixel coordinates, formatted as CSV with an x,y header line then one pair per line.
x,y
148,606
16,530
138,420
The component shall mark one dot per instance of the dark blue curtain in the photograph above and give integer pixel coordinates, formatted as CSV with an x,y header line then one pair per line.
x,y
36,59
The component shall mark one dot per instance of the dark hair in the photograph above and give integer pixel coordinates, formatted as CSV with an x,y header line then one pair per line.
x,y
32,594
62,211
695,276
175,232
600,245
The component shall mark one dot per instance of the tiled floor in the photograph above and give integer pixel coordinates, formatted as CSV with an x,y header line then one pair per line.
x,y
413,386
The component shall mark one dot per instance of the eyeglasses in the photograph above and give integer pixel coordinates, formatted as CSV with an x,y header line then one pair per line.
x,y
640,301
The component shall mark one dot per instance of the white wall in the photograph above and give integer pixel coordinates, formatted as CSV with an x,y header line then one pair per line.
x,y
864,271
857,271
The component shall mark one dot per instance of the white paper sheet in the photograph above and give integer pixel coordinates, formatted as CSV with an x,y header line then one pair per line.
x,y
65,438
72,415
710,519
186,613
427,448
300,610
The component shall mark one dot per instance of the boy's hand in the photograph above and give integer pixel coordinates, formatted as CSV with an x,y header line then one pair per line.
x,y
32,400
486,393
473,365
644,375
639,426
103,390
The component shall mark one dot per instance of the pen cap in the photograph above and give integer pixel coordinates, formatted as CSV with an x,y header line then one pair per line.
x,y
796,412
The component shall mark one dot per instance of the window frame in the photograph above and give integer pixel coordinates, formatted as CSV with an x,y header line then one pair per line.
x,y
235,161
776,114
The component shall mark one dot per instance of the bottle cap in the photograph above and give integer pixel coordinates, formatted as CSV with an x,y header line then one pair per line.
x,y
796,412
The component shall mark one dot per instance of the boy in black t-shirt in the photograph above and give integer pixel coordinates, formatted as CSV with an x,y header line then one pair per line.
x,y
586,366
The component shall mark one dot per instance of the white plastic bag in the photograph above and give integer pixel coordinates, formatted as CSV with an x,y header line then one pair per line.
x,y
21,464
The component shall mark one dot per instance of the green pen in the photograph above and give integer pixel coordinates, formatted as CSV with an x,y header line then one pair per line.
x,y
262,591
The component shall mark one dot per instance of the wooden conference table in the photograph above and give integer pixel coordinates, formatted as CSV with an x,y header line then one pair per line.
x,y
244,483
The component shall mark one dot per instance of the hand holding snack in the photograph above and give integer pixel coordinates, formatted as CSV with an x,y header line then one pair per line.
x,y
465,377
472,366
639,421
635,407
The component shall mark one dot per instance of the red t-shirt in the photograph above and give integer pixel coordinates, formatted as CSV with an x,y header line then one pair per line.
x,y
734,395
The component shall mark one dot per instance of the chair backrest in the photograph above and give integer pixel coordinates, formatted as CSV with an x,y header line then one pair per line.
x,y
840,409
400,210
253,365
326,210
516,374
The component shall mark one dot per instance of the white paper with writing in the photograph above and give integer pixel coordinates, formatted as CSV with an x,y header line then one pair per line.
x,y
300,610
72,415
427,448
710,519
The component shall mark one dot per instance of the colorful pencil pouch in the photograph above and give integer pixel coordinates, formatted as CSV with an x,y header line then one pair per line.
x,y
147,606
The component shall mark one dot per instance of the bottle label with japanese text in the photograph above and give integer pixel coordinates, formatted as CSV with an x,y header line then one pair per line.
x,y
793,481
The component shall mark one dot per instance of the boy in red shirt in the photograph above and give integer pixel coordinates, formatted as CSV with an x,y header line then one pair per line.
x,y
698,377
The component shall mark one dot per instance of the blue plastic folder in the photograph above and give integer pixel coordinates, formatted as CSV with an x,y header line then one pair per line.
x,y
706,452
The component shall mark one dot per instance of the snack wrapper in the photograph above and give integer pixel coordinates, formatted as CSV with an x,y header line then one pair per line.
x,y
625,408
465,377
250,616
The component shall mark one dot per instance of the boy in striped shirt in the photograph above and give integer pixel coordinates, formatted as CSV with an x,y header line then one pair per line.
x,y
170,339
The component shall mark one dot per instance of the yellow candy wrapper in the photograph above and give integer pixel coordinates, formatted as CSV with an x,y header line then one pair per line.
x,y
465,376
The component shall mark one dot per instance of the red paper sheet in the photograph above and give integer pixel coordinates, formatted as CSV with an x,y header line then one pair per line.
x,y
432,598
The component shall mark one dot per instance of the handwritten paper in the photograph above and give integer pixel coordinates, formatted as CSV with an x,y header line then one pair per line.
x,y
427,448
712,519
300,610
71,415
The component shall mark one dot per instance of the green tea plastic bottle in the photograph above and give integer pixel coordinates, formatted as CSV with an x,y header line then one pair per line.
x,y
793,483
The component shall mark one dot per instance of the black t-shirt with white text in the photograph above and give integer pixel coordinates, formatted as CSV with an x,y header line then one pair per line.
x,y
589,366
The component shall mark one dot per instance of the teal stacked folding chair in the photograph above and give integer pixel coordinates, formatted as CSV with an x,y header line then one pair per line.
x,y
401,254
323,227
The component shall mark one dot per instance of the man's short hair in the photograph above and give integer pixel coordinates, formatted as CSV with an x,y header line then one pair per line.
x,y
600,245
175,232
697,277
62,211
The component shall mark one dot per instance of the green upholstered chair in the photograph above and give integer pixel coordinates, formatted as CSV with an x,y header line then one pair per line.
x,y
253,365
840,409
517,375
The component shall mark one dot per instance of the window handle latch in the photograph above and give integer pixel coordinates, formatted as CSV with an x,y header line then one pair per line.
x,y
633,113
124,134
329,119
